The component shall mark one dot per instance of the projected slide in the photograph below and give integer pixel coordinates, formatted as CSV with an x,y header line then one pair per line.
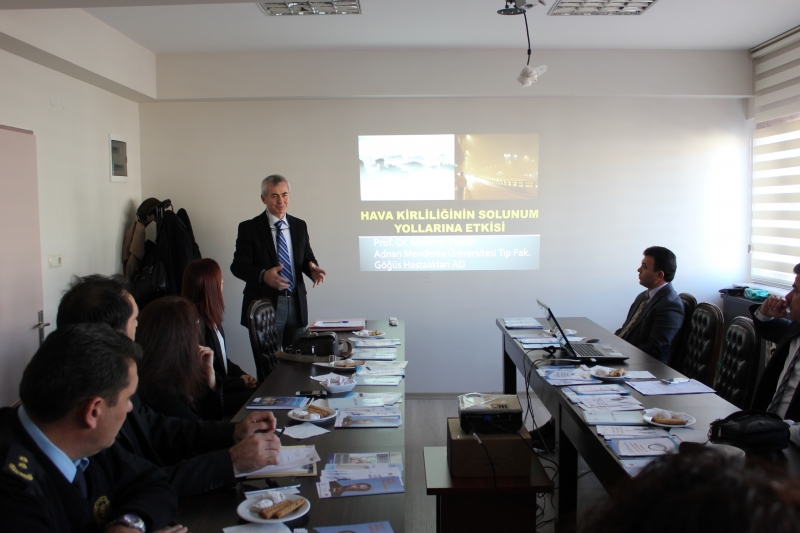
x,y
448,167
449,202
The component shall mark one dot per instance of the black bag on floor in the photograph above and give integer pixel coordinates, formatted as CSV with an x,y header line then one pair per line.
x,y
753,431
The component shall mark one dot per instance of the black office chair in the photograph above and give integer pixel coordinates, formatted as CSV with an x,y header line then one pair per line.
x,y
679,343
263,337
738,363
703,344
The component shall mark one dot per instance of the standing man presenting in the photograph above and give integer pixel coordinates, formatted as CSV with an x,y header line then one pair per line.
x,y
272,254
657,314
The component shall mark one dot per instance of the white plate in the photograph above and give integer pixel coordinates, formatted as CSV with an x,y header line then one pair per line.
x,y
318,403
365,333
650,413
244,511
610,379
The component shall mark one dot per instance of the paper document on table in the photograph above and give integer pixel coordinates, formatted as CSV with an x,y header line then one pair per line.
x,y
352,324
290,457
600,389
304,431
527,322
643,447
546,339
388,381
619,403
639,374
258,528
614,418
633,465
375,343
656,388
375,354
369,370
624,432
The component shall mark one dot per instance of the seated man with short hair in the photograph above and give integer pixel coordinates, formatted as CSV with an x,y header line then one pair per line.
x,y
62,469
195,455
656,315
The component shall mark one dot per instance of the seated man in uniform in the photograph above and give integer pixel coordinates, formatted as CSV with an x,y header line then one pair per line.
x,y
62,469
197,456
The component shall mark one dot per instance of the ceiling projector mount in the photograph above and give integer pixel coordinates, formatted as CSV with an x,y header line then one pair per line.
x,y
520,7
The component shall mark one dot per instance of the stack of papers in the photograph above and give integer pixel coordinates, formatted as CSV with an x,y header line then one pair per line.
x,y
368,417
527,322
359,474
365,399
374,343
656,388
294,461
371,527
278,402
630,432
643,447
561,377
340,324
379,380
614,418
615,403
612,388
375,354
383,368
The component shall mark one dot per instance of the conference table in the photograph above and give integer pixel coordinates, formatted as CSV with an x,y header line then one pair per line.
x,y
211,512
574,437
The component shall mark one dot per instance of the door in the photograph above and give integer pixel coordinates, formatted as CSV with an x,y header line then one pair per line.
x,y
20,258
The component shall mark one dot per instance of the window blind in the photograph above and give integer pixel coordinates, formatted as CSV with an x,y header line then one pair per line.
x,y
775,234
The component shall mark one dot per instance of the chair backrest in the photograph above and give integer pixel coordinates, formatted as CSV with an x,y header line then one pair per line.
x,y
738,363
679,343
703,344
263,336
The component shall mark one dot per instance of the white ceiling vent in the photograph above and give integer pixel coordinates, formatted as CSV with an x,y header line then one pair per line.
x,y
600,7
312,7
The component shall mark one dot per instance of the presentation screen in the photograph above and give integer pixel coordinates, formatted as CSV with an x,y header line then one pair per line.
x,y
449,202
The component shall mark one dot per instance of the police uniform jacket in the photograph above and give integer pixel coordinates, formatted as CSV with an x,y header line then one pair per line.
x,y
36,497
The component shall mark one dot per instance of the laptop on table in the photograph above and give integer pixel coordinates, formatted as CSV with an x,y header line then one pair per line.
x,y
587,353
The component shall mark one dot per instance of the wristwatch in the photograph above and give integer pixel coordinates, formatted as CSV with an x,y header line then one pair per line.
x,y
128,520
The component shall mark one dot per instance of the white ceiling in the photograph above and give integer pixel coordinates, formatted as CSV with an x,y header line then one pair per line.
x,y
669,24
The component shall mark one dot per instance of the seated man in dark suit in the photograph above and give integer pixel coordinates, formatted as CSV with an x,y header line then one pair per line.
x,y
197,456
778,320
63,470
657,314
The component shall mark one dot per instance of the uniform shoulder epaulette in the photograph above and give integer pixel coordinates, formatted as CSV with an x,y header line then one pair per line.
x,y
19,463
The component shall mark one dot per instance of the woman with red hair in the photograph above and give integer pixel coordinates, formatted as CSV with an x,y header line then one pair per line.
x,y
202,285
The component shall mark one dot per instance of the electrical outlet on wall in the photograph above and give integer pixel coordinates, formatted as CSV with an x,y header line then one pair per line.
x,y
54,260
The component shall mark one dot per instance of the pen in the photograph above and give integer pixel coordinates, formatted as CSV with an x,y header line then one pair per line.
x,y
281,433
337,322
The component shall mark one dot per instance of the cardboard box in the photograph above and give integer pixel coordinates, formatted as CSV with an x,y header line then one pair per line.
x,y
466,457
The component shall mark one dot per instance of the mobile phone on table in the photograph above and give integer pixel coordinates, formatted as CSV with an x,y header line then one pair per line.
x,y
673,381
311,393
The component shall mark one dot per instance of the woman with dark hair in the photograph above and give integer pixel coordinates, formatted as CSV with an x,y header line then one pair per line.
x,y
176,375
202,285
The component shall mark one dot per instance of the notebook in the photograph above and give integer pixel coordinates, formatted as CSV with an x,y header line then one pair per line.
x,y
587,353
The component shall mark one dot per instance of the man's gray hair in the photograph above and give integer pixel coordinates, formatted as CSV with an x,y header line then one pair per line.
x,y
274,180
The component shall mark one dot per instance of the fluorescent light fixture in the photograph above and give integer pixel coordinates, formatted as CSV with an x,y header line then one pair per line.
x,y
600,7
311,7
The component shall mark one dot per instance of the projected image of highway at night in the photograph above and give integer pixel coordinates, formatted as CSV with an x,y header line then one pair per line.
x,y
449,202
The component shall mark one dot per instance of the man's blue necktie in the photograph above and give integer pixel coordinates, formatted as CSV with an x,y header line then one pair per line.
x,y
283,255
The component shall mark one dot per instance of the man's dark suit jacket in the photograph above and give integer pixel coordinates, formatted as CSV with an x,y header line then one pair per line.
x,y
657,326
781,331
193,454
255,252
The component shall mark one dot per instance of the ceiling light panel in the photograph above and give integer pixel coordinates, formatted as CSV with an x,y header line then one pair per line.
x,y
602,8
312,7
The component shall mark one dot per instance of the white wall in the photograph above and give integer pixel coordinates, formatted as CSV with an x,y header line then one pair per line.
x,y
616,175
82,213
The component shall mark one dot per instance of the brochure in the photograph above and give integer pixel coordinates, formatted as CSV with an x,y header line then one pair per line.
x,y
278,402
360,487
365,458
